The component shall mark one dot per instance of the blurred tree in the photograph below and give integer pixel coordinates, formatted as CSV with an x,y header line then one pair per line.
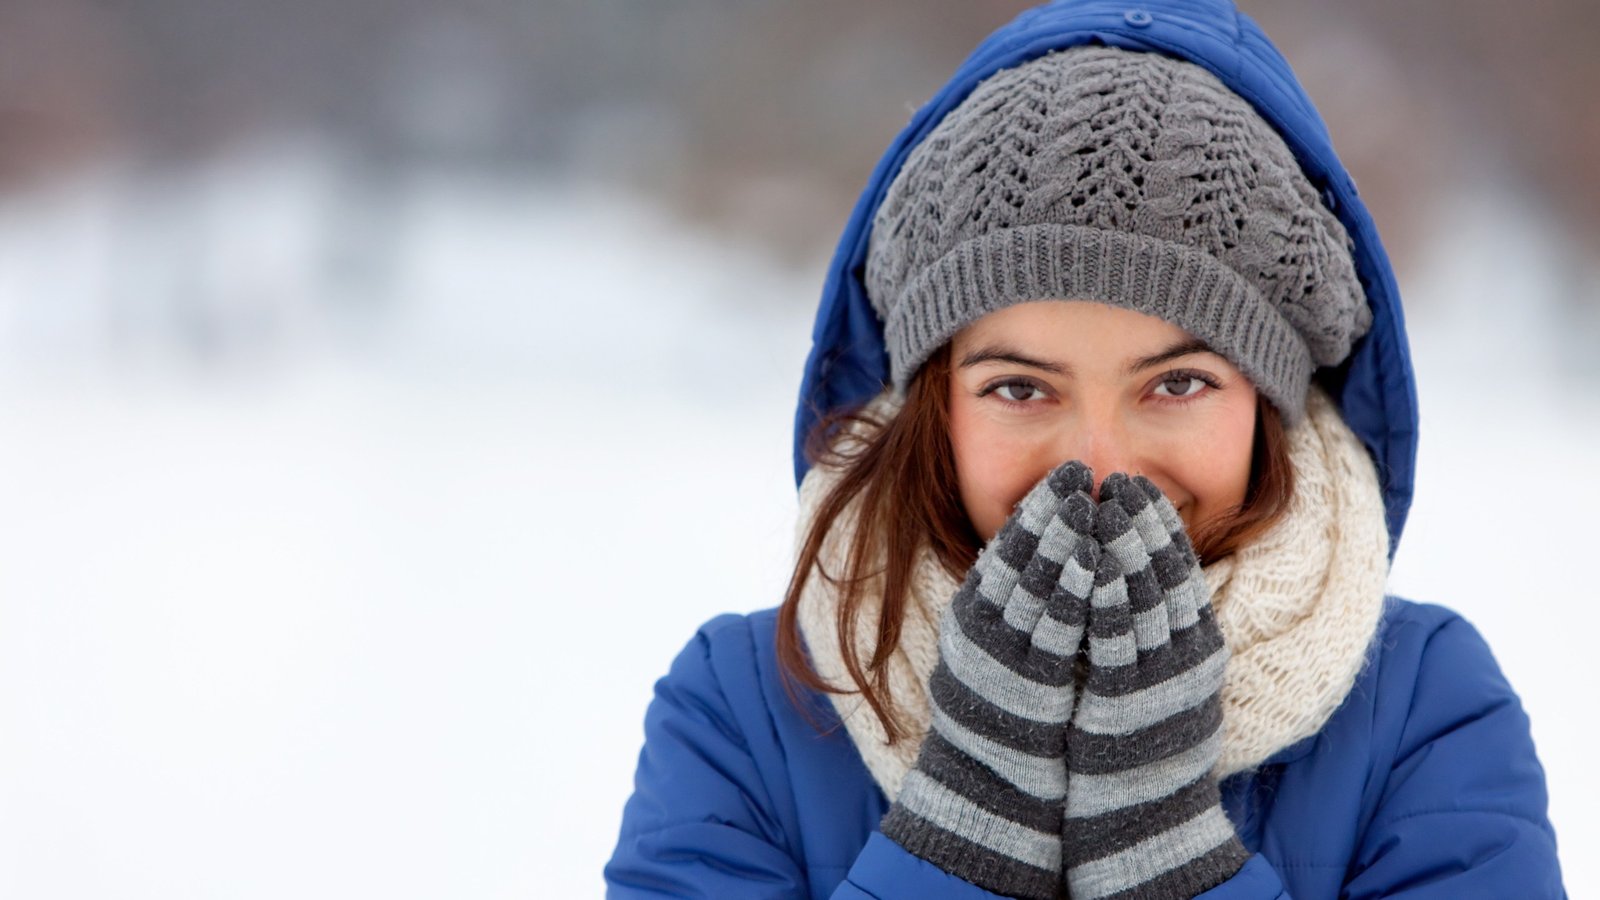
x,y
763,116
63,96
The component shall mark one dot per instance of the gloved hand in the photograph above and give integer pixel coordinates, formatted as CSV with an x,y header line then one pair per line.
x,y
1144,817
984,801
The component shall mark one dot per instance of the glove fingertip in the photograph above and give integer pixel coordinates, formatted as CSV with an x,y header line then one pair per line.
x,y
1134,497
1078,513
1111,520
1113,485
1077,578
1041,497
1071,477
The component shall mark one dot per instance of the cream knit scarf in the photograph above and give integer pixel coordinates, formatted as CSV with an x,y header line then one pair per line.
x,y
1298,609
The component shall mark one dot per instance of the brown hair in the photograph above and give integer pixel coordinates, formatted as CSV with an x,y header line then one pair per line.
x,y
900,474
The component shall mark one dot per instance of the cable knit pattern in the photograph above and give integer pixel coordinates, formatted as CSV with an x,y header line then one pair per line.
x,y
1127,178
1300,605
1298,609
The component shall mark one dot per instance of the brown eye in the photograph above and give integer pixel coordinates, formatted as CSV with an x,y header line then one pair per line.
x,y
1180,386
1018,391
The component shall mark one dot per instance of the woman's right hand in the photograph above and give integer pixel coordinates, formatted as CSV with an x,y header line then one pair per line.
x,y
984,801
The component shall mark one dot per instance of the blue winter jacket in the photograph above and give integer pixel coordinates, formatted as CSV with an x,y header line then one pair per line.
x,y
1424,784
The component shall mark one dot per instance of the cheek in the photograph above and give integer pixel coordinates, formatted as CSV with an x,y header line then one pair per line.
x,y
1218,476
995,469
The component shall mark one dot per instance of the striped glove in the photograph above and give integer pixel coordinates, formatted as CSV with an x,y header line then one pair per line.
x,y
1144,817
984,801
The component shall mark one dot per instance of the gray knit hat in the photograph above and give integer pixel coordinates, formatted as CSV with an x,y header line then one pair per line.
x,y
1128,178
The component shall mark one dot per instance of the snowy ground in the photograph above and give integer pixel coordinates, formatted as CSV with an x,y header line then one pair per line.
x,y
378,615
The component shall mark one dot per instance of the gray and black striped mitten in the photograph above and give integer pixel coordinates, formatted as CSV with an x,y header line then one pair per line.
x,y
1144,817
984,801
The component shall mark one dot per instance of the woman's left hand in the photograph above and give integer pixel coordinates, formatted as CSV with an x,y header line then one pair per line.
x,y
1143,812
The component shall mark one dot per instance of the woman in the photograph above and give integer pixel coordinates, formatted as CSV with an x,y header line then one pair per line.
x,y
1089,599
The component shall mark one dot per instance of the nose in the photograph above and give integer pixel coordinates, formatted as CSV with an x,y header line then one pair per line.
x,y
1100,440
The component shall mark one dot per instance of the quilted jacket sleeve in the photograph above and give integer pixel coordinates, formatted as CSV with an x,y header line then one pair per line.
x,y
1462,811
699,823
703,821
1458,794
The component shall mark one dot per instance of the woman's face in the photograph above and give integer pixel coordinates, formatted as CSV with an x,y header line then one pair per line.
x,y
1036,384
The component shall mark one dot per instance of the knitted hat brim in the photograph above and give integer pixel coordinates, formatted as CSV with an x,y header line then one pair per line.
x,y
1051,261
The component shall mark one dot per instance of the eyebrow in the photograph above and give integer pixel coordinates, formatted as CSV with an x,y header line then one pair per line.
x,y
1003,353
1182,348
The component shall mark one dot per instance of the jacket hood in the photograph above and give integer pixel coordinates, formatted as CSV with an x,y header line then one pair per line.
x,y
1374,388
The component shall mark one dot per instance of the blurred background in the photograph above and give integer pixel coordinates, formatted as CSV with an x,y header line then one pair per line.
x,y
388,390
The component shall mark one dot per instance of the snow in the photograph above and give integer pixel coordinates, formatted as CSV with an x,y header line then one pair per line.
x,y
369,603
